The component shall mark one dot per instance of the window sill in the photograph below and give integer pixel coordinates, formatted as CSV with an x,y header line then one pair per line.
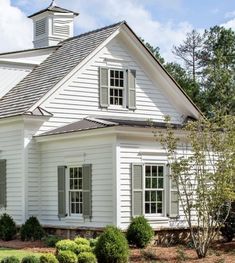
x,y
117,108
157,218
74,218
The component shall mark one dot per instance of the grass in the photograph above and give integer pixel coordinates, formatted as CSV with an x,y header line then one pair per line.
x,y
19,253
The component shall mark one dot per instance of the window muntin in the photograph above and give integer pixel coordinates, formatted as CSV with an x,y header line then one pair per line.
x,y
116,82
154,189
75,190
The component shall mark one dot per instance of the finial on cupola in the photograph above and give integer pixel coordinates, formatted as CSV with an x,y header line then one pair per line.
x,y
53,3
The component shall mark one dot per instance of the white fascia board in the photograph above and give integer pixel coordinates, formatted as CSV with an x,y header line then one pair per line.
x,y
74,71
172,91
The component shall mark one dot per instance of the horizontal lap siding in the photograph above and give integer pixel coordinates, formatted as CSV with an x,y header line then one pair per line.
x,y
130,153
79,96
77,153
11,149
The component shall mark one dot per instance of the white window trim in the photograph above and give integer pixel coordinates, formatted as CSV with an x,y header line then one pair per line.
x,y
155,216
124,104
67,187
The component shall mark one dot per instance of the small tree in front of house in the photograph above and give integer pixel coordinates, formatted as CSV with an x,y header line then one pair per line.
x,y
202,164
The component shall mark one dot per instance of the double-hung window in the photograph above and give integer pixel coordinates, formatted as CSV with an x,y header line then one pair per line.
x,y
153,192
117,86
154,189
75,190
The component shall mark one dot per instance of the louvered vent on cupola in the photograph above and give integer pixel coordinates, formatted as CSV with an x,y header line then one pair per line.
x,y
52,25
40,27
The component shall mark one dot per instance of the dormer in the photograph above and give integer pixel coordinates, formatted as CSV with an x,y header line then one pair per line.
x,y
52,25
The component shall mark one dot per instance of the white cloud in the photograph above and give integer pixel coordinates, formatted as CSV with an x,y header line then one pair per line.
x,y
17,33
15,28
229,24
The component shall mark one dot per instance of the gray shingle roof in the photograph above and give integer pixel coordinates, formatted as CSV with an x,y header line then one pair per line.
x,y
52,8
97,123
45,76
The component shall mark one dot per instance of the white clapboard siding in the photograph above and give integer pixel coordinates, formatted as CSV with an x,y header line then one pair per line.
x,y
11,149
10,76
97,152
130,152
79,96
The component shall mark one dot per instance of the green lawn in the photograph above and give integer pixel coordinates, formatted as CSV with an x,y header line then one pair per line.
x,y
19,253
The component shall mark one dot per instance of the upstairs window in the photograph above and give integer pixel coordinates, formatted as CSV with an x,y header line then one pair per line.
x,y
117,88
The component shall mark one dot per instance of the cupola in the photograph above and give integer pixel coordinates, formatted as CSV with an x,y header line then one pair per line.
x,y
52,25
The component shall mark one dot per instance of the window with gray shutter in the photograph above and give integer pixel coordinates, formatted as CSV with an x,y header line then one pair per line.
x,y
131,89
87,191
104,87
137,189
3,184
61,174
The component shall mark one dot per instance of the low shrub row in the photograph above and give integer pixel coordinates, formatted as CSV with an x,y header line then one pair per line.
x,y
30,231
110,247
46,258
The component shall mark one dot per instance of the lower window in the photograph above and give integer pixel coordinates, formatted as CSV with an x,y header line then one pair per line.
x,y
154,189
75,190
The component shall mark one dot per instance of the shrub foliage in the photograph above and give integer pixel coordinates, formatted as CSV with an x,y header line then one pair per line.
x,y
112,246
67,256
7,227
11,259
86,257
66,244
139,232
31,230
30,259
48,258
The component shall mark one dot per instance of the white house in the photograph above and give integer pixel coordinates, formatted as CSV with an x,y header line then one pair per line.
x,y
76,147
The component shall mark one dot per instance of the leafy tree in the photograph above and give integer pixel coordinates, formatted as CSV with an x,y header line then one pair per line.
x,y
189,52
184,80
218,62
154,50
203,174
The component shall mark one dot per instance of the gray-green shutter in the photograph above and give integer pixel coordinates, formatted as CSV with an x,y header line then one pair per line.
x,y
173,206
137,189
3,183
86,187
61,173
131,76
104,87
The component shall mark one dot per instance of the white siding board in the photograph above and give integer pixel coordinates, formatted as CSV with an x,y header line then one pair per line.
x,y
79,97
96,151
11,149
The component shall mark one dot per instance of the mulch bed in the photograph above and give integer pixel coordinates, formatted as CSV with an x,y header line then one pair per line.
x,y
219,253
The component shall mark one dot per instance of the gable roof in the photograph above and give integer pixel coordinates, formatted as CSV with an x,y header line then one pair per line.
x,y
51,71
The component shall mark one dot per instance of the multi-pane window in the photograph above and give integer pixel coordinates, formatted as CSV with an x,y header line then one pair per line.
x,y
154,189
116,87
75,190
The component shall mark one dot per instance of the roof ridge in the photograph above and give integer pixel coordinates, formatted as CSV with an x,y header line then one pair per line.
x,y
94,31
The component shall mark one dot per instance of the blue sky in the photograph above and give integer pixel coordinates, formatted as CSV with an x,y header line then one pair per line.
x,y
162,23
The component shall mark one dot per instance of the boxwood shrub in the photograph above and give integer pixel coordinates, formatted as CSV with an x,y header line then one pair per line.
x,y
30,259
86,257
48,258
112,246
82,241
66,244
67,256
83,248
139,232
51,240
7,227
11,259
